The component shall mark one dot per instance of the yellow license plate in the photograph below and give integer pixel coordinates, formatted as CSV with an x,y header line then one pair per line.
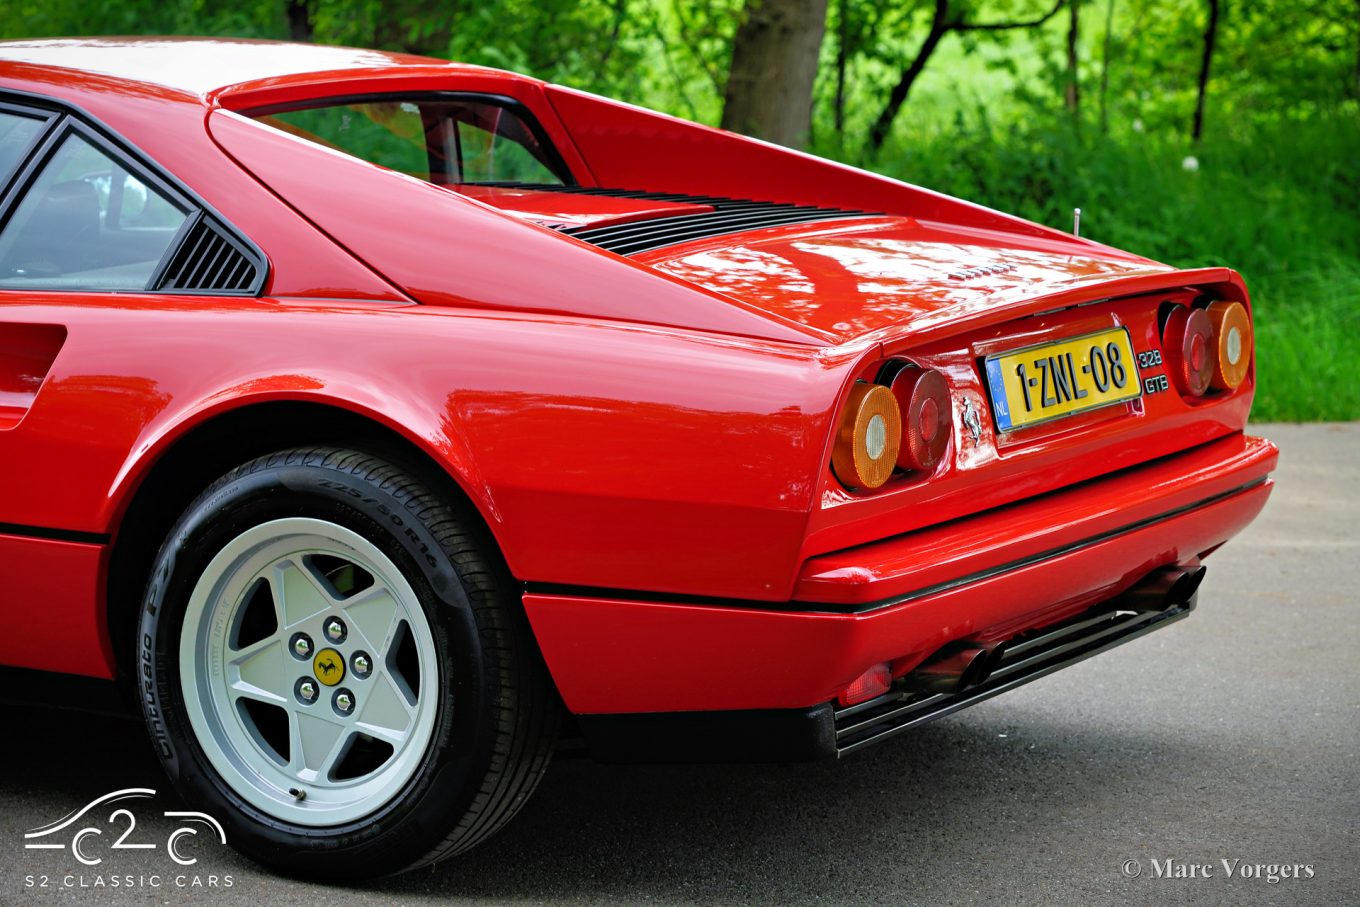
x,y
1059,379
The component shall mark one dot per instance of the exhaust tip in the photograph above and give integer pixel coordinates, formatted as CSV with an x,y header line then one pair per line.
x,y
976,672
1161,589
1186,586
954,668
994,657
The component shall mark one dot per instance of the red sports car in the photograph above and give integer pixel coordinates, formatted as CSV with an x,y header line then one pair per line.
x,y
367,416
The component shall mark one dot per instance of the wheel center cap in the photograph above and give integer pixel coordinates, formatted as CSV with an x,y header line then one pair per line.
x,y
328,667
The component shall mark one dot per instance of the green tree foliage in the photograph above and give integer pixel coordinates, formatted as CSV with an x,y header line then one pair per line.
x,y
42,18
591,43
1274,58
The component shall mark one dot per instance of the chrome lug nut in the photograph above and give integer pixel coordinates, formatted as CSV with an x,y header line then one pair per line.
x,y
301,645
306,690
361,664
343,701
335,630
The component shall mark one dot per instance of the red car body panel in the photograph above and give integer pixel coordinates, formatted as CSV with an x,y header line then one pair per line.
x,y
850,280
648,438
604,132
543,437
989,541
425,263
613,655
54,614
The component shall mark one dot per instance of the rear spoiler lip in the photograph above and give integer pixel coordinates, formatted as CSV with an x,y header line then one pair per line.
x,y
1010,306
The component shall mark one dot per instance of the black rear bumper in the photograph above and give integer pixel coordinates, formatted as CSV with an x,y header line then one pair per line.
x,y
822,731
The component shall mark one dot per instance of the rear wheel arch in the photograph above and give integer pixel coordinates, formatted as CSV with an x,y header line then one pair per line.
x,y
210,449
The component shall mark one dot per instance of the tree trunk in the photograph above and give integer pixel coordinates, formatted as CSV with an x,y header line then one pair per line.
x,y
1072,90
939,26
842,63
1105,67
774,62
1206,61
299,20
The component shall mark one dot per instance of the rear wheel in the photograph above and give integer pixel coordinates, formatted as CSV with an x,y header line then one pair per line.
x,y
335,668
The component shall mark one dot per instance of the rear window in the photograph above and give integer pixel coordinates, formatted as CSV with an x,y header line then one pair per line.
x,y
443,139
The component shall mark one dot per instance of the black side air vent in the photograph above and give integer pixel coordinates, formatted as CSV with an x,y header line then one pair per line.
x,y
729,215
211,260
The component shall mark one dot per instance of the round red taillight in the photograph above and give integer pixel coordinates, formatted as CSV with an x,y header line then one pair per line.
x,y
1188,344
923,398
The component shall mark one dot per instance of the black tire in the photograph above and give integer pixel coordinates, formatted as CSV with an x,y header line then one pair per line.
x,y
497,712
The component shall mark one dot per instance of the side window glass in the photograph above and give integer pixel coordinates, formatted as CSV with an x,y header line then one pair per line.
x,y
434,138
389,133
17,132
86,223
495,147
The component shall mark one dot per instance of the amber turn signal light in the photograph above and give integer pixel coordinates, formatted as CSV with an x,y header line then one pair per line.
x,y
1232,329
1188,342
923,399
869,437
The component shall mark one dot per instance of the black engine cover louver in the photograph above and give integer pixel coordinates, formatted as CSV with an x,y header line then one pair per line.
x,y
729,215
211,260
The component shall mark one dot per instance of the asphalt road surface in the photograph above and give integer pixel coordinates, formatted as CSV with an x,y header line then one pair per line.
x,y
1233,736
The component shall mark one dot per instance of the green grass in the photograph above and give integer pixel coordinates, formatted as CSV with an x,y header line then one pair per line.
x,y
1281,204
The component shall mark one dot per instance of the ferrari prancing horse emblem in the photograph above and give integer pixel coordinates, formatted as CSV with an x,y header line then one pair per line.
x,y
971,420
329,667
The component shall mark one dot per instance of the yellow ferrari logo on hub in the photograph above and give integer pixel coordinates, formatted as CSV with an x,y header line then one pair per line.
x,y
328,667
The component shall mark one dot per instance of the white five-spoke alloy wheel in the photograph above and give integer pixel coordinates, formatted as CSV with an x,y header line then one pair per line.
x,y
260,633
334,662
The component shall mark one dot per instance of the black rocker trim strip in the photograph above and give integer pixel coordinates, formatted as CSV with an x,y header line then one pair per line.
x,y
866,607
55,535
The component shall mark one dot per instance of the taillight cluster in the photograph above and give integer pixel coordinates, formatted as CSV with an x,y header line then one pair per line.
x,y
901,421
1207,347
